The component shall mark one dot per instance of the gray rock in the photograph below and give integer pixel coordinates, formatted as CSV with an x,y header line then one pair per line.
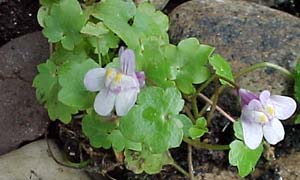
x,y
263,2
33,162
244,33
22,117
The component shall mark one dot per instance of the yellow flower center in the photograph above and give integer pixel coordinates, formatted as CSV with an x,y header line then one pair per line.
x,y
270,110
118,77
109,73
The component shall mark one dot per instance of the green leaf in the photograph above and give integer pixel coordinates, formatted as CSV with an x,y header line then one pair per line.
x,y
104,42
97,130
149,22
297,119
42,13
154,121
187,124
94,29
115,14
139,162
73,92
45,80
187,63
47,87
61,55
64,22
199,129
58,110
243,157
119,142
153,63
238,130
297,82
222,68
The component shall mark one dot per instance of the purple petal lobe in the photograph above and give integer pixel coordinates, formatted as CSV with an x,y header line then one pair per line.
x,y
254,105
246,96
284,106
125,101
141,78
264,97
104,102
94,79
127,60
273,131
253,134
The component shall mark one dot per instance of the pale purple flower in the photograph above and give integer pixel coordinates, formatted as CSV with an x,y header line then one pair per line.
x,y
261,114
118,87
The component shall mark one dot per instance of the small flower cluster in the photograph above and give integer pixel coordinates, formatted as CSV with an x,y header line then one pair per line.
x,y
118,87
261,114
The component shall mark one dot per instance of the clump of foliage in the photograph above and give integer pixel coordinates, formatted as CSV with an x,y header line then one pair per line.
x,y
88,35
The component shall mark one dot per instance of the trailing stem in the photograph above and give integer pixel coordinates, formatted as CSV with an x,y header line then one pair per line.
x,y
201,145
264,65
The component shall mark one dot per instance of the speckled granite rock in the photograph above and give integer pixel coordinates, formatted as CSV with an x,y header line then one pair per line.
x,y
22,117
32,162
288,166
263,2
244,33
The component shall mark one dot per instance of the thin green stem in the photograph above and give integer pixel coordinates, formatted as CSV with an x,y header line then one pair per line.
x,y
180,169
229,81
99,54
263,65
190,161
187,110
195,107
213,106
201,145
204,109
204,85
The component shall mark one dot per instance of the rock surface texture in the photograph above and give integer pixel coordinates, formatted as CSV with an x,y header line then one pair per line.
x,y
244,33
22,117
32,162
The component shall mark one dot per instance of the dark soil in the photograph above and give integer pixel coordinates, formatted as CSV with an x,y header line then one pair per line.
x,y
17,17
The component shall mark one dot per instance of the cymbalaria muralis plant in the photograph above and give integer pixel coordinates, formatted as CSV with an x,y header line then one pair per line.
x,y
112,64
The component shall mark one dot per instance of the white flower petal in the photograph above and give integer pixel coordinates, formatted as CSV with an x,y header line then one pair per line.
x,y
125,101
128,83
264,97
284,106
273,131
253,133
94,79
104,102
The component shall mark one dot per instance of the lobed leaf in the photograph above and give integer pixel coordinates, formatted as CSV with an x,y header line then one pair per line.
x,y
119,142
199,129
64,22
155,121
222,68
97,130
243,157
45,80
58,110
139,162
115,14
238,130
73,92
187,63
148,22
